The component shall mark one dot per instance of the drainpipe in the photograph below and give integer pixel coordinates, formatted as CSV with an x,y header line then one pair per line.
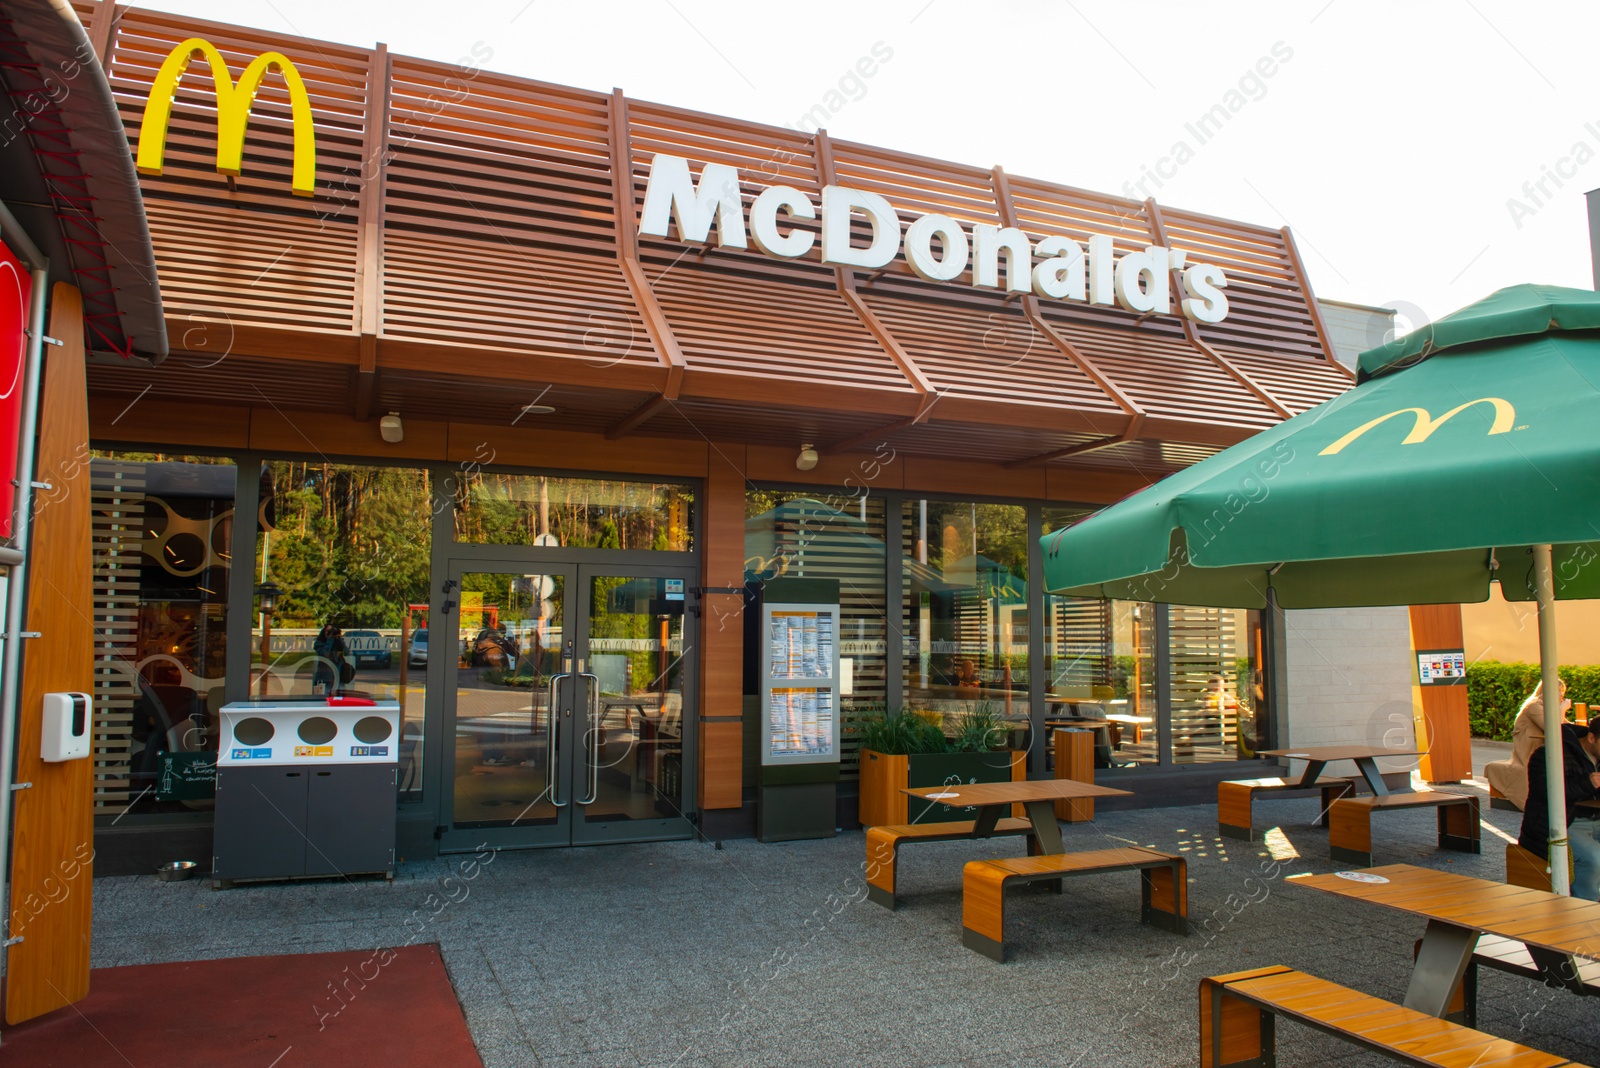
x,y
16,586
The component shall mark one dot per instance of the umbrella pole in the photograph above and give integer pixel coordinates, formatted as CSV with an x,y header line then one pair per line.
x,y
1554,757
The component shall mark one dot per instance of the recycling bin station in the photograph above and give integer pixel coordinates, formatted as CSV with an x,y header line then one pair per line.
x,y
306,789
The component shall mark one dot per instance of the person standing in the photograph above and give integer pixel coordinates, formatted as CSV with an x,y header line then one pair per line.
x,y
330,650
1580,749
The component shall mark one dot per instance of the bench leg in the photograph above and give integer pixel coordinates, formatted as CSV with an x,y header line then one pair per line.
x,y
1164,897
1234,1033
882,851
1459,828
1330,794
983,910
1233,811
1350,833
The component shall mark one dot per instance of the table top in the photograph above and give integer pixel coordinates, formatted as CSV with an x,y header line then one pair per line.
x,y
1535,917
1005,793
1338,752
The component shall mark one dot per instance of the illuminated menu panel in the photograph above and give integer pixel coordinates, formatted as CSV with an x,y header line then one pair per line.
x,y
800,684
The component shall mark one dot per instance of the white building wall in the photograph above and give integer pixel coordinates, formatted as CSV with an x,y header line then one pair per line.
x,y
1355,328
1349,682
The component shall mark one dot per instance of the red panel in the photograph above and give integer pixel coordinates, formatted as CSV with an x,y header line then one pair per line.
x,y
16,289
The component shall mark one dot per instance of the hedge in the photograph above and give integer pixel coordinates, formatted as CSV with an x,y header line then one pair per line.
x,y
1495,691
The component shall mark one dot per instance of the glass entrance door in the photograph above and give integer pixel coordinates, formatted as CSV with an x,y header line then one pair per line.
x,y
567,707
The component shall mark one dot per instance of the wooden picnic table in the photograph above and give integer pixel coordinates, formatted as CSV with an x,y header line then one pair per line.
x,y
1459,910
1037,797
1318,757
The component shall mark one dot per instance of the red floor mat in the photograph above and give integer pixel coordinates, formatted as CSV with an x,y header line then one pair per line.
x,y
394,1008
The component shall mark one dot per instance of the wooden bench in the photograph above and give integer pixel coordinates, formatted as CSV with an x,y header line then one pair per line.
x,y
1163,889
1350,822
1238,1013
1501,801
883,848
1524,867
1236,798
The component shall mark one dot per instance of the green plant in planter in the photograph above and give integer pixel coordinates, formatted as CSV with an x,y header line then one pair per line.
x,y
896,732
980,729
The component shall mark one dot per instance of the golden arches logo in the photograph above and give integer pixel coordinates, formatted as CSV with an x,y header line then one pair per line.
x,y
1504,417
233,111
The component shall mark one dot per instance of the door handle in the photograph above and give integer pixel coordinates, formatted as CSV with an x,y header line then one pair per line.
x,y
592,738
552,765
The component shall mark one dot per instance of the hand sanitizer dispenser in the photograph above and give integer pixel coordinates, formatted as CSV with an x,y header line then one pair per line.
x,y
66,726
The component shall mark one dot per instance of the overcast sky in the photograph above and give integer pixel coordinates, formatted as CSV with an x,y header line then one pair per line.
x,y
1392,137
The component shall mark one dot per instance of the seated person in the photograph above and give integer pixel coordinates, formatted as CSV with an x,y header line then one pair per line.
x,y
1580,747
1510,777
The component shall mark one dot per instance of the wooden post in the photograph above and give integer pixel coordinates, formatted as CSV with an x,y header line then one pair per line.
x,y
1441,711
1075,761
53,829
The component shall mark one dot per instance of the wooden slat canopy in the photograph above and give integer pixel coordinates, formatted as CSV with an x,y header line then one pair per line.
x,y
472,241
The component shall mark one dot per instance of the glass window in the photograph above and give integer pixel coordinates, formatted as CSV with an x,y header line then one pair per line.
x,y
964,605
1101,659
163,525
587,513
347,548
795,535
1217,684
1100,663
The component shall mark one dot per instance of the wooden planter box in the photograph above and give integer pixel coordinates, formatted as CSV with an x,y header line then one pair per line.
x,y
884,775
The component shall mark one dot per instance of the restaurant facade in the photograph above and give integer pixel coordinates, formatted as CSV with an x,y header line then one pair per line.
x,y
513,381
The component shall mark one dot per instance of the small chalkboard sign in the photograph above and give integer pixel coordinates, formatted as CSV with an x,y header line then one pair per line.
x,y
186,776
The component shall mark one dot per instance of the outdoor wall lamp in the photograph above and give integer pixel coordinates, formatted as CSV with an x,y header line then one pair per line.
x,y
391,428
807,458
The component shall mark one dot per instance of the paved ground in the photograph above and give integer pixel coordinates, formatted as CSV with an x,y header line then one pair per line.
x,y
684,954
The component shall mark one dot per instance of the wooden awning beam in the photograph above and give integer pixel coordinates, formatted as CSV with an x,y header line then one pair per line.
x,y
655,320
1312,305
1158,232
638,417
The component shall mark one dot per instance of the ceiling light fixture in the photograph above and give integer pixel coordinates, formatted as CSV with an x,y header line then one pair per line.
x,y
807,458
391,428
537,409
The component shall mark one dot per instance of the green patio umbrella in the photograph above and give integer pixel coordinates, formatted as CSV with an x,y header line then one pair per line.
x,y
1468,453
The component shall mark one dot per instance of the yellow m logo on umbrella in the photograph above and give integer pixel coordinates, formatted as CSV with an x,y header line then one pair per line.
x,y
1426,424
233,111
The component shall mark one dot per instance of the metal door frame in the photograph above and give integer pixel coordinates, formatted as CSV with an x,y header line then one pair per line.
x,y
459,839
570,828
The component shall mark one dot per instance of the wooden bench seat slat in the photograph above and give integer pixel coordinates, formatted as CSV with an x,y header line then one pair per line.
x,y
884,841
1067,863
1163,881
1236,800
1350,823
1249,1002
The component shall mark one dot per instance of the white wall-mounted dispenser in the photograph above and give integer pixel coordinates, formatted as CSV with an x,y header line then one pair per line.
x,y
66,726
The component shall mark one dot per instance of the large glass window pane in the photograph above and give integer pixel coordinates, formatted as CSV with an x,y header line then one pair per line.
x,y
795,535
162,530
1216,684
1100,663
964,606
493,509
346,548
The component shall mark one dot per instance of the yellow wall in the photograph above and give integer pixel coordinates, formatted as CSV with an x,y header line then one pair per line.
x,y
1509,631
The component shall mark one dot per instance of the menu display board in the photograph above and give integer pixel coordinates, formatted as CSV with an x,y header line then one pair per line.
x,y
800,683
